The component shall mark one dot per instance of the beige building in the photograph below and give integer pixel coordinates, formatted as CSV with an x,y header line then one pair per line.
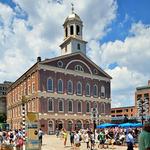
x,y
142,100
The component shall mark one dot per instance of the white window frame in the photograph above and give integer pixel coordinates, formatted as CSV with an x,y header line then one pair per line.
x,y
58,86
52,105
72,106
71,87
89,89
62,105
77,107
95,86
102,91
89,107
77,88
52,85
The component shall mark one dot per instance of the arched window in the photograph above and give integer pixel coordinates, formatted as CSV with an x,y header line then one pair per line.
x,y
77,30
95,105
87,89
95,90
103,108
79,68
102,91
60,105
60,86
50,105
66,31
79,88
50,84
70,87
78,125
87,107
71,30
79,107
70,106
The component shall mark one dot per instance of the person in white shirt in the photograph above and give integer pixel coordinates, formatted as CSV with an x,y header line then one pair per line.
x,y
77,140
86,139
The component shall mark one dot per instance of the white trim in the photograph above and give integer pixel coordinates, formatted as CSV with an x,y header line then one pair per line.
x,y
71,85
89,107
52,126
52,84
77,88
77,107
95,85
62,104
87,84
58,86
72,72
52,105
72,106
78,61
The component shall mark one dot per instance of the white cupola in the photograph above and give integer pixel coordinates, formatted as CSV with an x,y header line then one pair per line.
x,y
73,41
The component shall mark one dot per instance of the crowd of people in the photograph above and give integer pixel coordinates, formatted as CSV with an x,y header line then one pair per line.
x,y
107,138
12,138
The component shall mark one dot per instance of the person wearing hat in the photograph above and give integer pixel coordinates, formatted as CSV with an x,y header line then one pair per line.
x,y
144,137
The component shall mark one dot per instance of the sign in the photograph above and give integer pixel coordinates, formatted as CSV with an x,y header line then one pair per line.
x,y
32,127
32,117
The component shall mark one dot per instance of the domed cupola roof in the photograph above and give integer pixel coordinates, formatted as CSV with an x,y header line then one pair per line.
x,y
72,17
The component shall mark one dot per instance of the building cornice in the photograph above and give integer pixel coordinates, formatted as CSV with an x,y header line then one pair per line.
x,y
75,73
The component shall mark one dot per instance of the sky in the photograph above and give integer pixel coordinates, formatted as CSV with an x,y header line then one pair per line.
x,y
117,31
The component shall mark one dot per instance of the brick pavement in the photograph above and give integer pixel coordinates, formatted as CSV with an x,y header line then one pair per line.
x,y
50,142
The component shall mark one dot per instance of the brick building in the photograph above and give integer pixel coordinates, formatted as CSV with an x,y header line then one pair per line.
x,y
142,100
3,88
62,89
123,111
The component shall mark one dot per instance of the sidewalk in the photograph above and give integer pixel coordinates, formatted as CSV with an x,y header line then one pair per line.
x,y
51,142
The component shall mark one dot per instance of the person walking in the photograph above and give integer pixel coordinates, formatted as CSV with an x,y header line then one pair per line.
x,y
65,135
87,139
40,134
101,139
71,138
144,137
77,141
129,140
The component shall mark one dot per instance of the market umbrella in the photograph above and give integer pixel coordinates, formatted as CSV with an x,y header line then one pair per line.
x,y
106,125
126,125
136,125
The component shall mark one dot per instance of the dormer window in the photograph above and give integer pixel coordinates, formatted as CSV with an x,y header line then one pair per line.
x,y
79,68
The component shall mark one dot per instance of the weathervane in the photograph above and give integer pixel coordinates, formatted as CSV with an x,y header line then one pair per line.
x,y
72,7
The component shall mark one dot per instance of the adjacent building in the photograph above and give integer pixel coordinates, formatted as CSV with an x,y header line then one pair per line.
x,y
123,111
142,101
64,89
3,88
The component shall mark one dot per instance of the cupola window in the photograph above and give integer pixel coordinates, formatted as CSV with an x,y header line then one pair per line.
x,y
77,30
71,30
66,31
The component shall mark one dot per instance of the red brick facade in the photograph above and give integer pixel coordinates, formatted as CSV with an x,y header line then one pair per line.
x,y
33,85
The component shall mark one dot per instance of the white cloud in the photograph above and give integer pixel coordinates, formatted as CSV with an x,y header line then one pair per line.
x,y
41,32
132,56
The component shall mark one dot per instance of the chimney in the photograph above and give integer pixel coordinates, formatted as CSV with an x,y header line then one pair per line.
x,y
39,59
148,82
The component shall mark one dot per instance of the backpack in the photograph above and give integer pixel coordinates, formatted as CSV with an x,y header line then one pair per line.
x,y
11,135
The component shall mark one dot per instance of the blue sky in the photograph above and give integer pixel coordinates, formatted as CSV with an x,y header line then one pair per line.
x,y
117,33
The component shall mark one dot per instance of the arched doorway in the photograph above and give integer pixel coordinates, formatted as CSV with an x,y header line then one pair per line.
x,y
70,125
60,125
87,124
78,125
50,127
